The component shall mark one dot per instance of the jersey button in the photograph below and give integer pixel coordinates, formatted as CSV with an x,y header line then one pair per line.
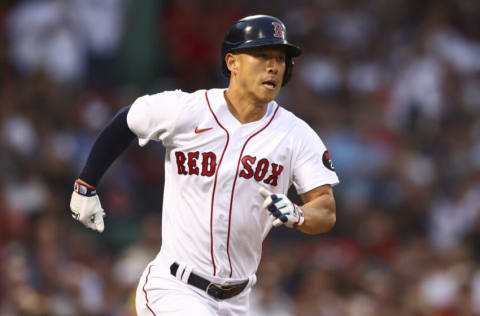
x,y
221,216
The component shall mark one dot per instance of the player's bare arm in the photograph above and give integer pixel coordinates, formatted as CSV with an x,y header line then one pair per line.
x,y
316,216
319,210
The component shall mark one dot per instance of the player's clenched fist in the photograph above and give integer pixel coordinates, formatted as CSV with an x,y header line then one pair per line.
x,y
85,206
282,209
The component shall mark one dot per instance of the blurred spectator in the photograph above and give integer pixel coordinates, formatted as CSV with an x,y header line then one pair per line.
x,y
59,37
42,38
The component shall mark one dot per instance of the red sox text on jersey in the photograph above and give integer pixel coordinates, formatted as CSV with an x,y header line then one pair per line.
x,y
189,164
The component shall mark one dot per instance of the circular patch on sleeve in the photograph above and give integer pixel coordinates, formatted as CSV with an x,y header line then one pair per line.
x,y
327,161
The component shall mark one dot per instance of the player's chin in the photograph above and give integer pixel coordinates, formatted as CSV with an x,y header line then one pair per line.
x,y
268,94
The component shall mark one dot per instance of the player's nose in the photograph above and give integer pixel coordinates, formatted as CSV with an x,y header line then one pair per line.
x,y
272,65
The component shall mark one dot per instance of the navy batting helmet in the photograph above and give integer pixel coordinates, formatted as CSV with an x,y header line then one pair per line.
x,y
257,31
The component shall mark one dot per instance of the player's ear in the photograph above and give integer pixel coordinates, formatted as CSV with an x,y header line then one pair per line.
x,y
232,62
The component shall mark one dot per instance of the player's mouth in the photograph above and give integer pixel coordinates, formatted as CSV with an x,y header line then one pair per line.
x,y
270,84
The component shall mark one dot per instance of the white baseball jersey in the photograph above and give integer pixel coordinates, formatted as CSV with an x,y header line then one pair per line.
x,y
213,218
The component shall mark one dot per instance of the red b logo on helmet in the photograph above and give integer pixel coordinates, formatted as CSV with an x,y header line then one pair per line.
x,y
278,29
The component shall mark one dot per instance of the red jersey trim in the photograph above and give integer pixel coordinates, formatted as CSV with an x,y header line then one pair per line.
x,y
235,181
215,185
144,291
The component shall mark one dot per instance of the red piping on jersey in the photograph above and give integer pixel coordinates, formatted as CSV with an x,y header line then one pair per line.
x,y
146,298
215,185
235,181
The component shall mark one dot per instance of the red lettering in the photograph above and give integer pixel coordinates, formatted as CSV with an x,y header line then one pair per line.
x,y
273,178
209,164
192,163
247,163
180,162
262,168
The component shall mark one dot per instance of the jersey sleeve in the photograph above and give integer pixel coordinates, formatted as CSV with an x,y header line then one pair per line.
x,y
154,117
312,166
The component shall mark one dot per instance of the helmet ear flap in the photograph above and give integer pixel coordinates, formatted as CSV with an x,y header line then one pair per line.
x,y
225,70
288,70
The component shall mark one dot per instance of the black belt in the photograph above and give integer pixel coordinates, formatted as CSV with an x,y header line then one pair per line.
x,y
218,291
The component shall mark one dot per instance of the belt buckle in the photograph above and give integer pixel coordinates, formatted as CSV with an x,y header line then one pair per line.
x,y
215,291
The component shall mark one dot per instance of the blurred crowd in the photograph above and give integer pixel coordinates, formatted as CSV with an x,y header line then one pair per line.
x,y
392,87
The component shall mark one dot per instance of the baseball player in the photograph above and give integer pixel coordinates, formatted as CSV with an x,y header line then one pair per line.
x,y
231,155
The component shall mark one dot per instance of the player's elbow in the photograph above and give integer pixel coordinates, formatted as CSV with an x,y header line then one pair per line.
x,y
330,216
323,224
327,223
330,221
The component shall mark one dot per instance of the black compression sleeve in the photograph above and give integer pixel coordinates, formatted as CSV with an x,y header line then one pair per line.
x,y
112,141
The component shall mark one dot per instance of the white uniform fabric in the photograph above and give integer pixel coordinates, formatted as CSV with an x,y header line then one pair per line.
x,y
160,293
213,220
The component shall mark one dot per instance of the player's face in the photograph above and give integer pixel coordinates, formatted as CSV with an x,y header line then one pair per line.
x,y
260,72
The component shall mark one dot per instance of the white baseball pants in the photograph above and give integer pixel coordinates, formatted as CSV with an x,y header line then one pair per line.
x,y
160,293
